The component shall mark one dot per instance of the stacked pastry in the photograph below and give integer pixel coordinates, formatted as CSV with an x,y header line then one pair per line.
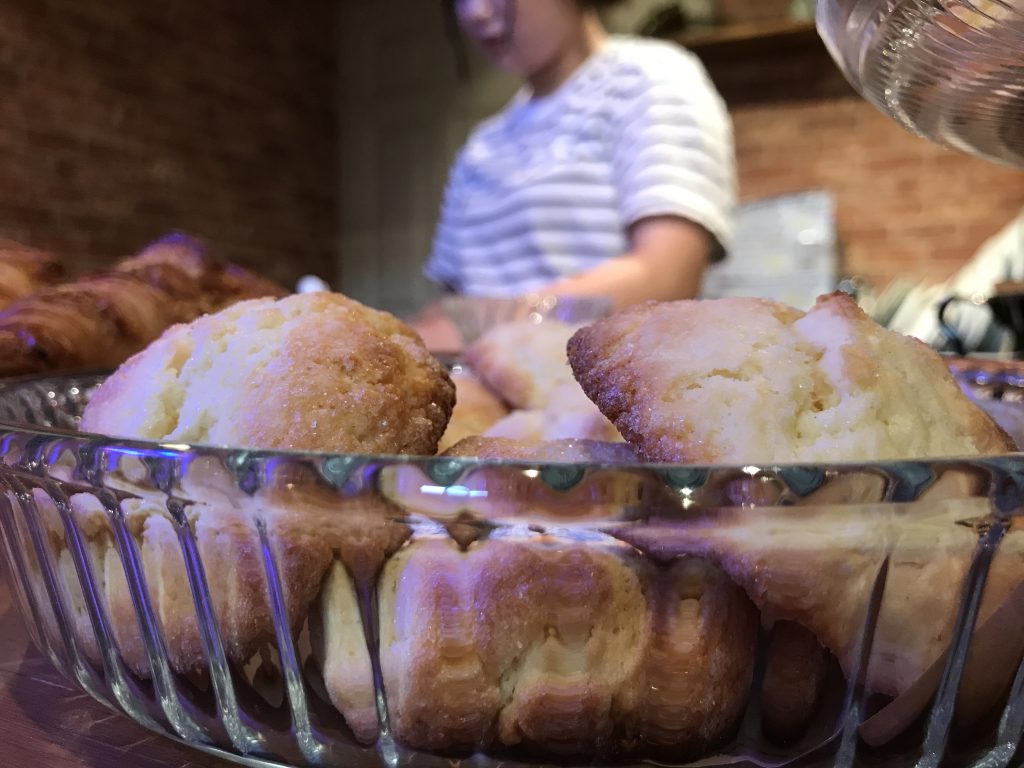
x,y
577,639
24,270
524,368
743,381
98,321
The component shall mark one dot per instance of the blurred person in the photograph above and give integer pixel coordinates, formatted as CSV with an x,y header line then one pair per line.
x,y
611,172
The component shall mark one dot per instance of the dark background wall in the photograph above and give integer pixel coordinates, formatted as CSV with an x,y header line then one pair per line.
x,y
120,120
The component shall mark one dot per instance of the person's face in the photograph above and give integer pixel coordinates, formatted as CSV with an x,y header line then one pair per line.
x,y
521,37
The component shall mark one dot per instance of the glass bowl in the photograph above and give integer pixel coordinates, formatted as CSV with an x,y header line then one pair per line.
x,y
474,315
325,610
949,70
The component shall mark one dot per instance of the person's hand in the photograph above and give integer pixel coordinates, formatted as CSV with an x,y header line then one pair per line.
x,y
438,332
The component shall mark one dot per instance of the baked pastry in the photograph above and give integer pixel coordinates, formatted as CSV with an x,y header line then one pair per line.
x,y
476,409
747,381
525,363
314,372
99,321
795,669
325,374
567,415
25,270
568,648
820,567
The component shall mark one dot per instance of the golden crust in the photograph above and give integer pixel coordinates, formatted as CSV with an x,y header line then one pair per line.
x,y
819,566
321,544
25,270
524,362
794,679
313,372
476,410
753,381
230,549
100,320
560,647
701,621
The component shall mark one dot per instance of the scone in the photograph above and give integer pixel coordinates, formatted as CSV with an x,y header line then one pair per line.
x,y
567,415
747,381
821,567
526,364
570,648
476,410
523,362
317,372
314,372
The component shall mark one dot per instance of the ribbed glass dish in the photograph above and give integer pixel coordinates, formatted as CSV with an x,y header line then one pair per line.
x,y
326,610
950,70
475,315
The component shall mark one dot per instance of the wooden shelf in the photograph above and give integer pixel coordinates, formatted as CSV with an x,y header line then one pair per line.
x,y
767,62
776,30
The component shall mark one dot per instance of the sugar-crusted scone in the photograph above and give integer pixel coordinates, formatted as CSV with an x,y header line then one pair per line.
x,y
568,415
526,364
754,381
315,372
820,567
566,647
523,362
476,410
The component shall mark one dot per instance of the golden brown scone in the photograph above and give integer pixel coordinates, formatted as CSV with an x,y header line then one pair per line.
x,y
476,410
310,532
568,415
229,546
24,270
524,362
558,646
818,566
314,372
699,665
746,381
794,678
347,670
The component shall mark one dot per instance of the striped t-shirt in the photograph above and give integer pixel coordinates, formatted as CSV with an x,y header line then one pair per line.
x,y
548,187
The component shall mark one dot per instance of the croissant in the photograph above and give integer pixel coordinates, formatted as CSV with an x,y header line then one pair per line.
x,y
24,270
101,320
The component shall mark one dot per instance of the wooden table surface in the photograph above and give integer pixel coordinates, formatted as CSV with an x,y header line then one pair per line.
x,y
46,722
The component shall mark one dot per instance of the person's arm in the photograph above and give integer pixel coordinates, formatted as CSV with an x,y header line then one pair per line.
x,y
666,262
674,174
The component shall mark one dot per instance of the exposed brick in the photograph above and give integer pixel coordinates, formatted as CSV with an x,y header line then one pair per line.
x,y
905,207
121,120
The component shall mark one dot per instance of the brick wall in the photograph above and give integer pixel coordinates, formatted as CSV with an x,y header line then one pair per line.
x,y
906,207
120,120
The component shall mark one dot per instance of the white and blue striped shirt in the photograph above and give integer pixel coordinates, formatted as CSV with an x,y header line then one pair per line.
x,y
548,187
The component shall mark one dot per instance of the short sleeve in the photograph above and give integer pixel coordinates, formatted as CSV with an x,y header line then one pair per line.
x,y
673,153
443,265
